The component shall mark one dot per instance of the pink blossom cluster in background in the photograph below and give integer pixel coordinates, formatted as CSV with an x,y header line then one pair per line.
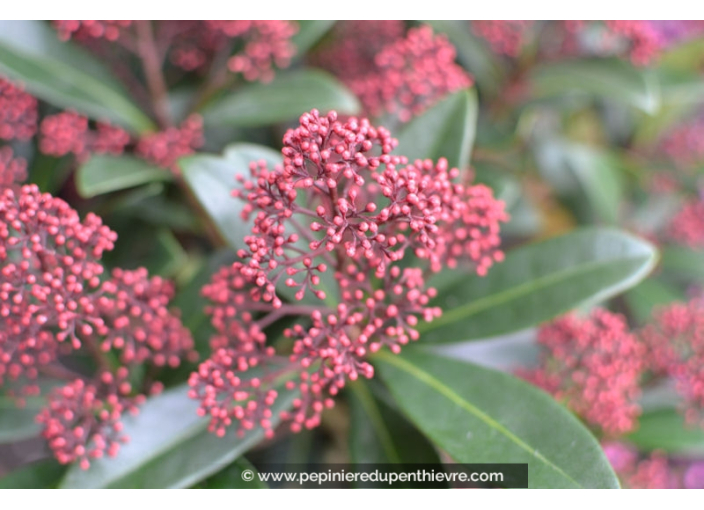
x,y
594,365
397,74
18,112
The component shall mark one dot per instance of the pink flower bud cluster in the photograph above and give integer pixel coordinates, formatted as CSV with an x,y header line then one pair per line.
x,y
69,133
12,170
332,227
684,144
676,347
53,302
355,45
594,365
18,112
265,45
91,29
506,37
651,472
637,40
166,147
82,421
644,42
687,226
411,75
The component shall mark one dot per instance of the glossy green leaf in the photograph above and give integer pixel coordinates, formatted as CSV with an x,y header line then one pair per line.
x,y
473,53
540,281
212,178
480,415
284,99
607,78
44,474
105,174
310,31
444,131
65,76
379,434
169,447
666,429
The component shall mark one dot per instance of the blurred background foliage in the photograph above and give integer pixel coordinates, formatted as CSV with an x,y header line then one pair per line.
x,y
572,124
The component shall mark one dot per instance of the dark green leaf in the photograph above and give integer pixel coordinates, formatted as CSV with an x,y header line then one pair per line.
x,y
104,174
284,99
472,52
480,415
444,131
231,478
541,281
379,434
683,261
309,33
607,78
167,256
169,447
505,186
17,424
212,178
38,475
666,429
64,75
649,294
567,165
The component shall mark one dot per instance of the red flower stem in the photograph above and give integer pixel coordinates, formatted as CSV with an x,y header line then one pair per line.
x,y
151,64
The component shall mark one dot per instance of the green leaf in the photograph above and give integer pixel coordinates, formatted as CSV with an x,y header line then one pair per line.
x,y
64,75
682,94
17,424
606,78
105,174
39,475
505,186
169,447
478,415
649,294
540,281
666,429
167,256
212,178
284,99
444,131
683,261
231,478
594,173
472,52
309,33
684,56
379,434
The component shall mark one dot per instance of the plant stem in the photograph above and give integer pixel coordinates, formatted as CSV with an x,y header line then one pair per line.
x,y
151,64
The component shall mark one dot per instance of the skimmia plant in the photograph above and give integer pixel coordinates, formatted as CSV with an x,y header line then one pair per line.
x,y
227,244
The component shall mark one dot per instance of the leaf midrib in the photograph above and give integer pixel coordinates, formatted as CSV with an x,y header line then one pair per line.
x,y
512,293
448,393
